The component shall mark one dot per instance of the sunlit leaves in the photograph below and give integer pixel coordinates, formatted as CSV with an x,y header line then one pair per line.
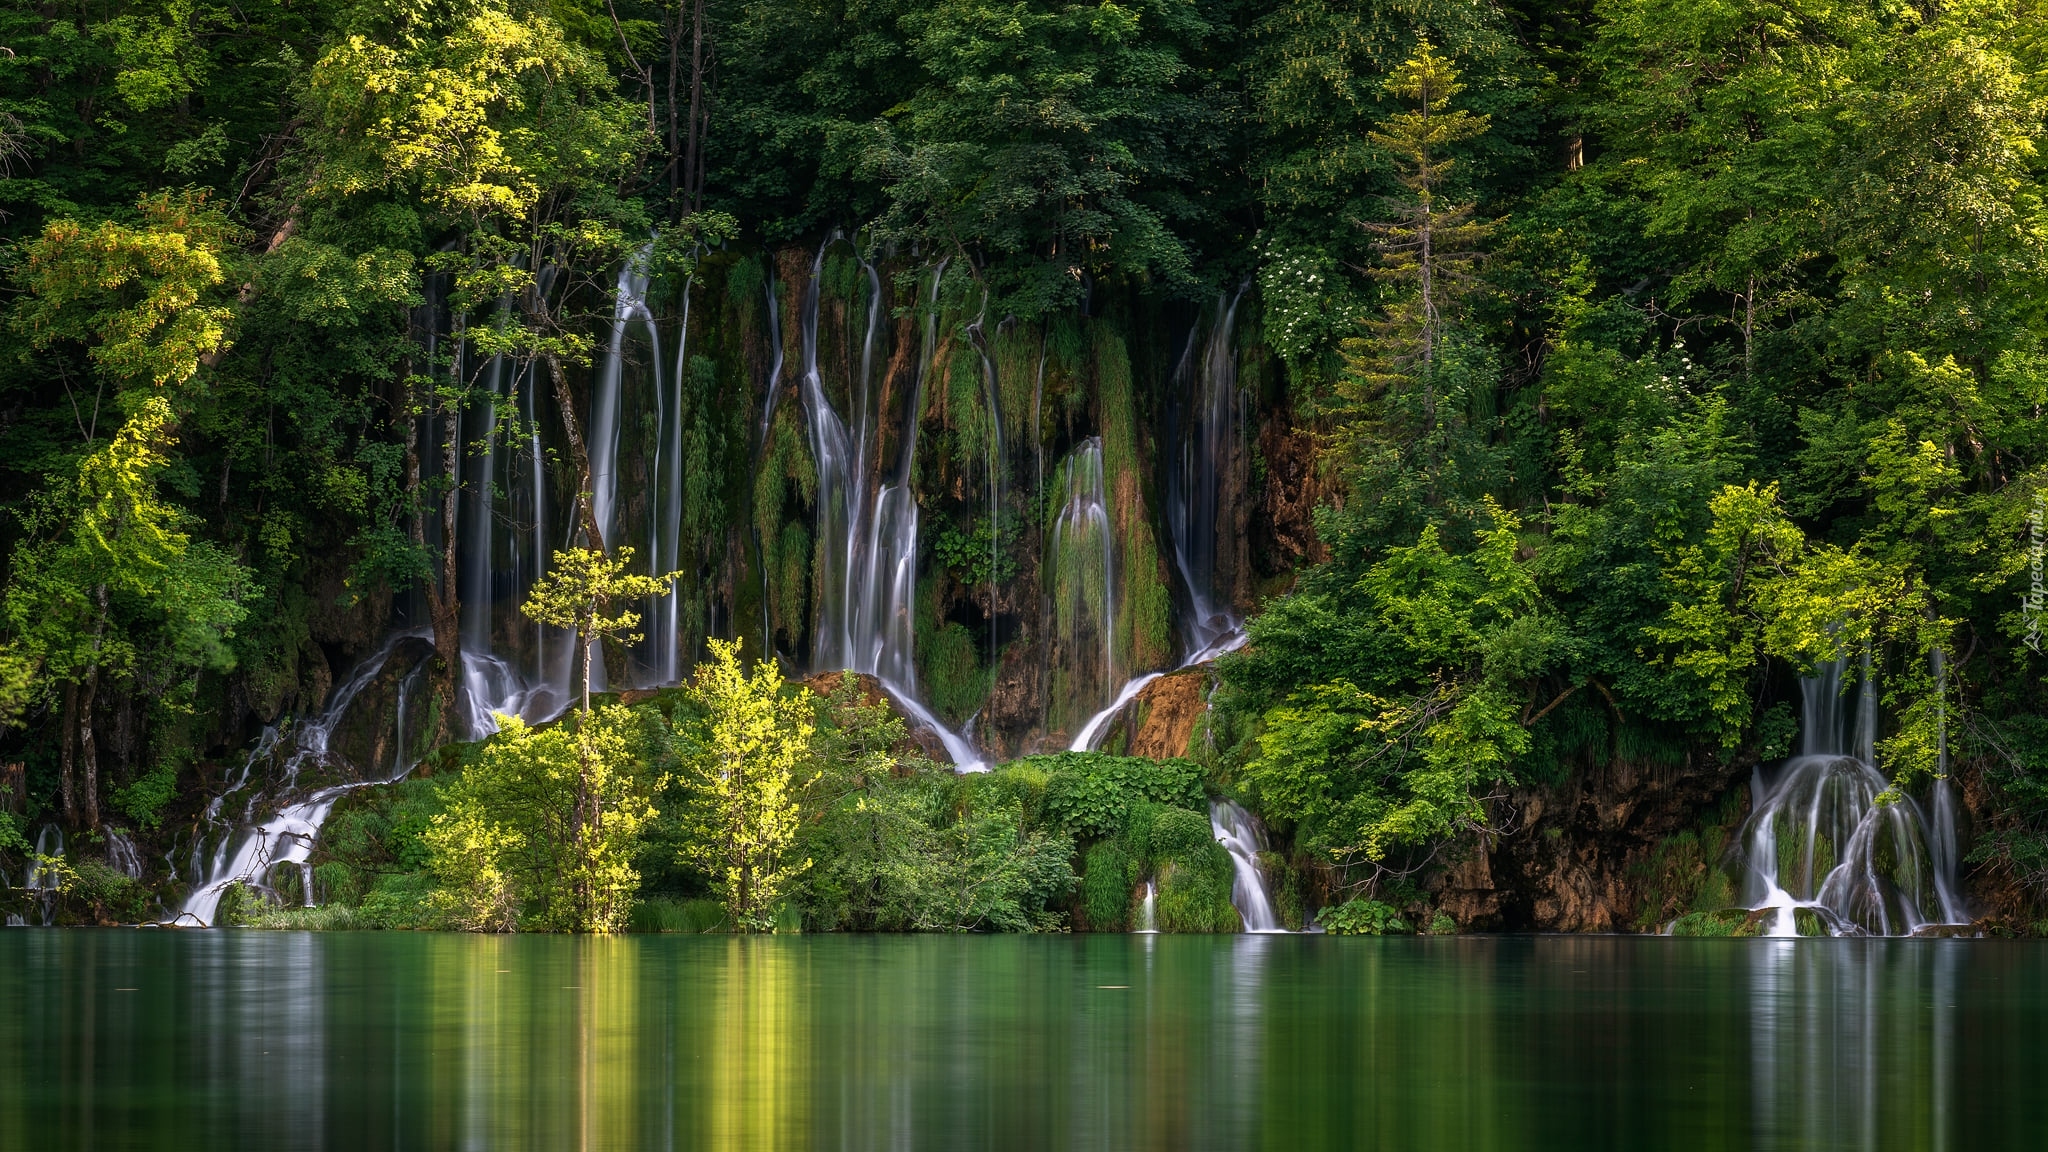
x,y
138,297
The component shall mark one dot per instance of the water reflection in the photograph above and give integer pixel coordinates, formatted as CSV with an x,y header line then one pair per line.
x,y
1854,1044
387,1041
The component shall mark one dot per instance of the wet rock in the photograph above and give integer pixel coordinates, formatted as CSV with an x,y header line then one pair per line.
x,y
1167,712
1574,856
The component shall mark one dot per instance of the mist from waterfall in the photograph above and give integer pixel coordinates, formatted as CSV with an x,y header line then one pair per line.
x,y
1819,845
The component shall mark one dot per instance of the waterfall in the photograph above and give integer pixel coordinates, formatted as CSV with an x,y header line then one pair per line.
x,y
1081,564
866,614
628,306
1818,841
1148,909
1201,480
666,636
1203,430
1090,736
1241,836
287,838
122,856
42,880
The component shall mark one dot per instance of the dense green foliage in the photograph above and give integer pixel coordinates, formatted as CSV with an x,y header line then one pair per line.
x,y
1652,353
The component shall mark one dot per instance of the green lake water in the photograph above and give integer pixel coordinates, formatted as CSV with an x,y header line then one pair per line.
x,y
124,1038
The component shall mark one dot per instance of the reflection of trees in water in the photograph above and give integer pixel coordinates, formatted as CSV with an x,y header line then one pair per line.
x,y
1853,1043
760,1050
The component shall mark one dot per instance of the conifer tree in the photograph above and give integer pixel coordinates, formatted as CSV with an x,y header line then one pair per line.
x,y
1427,250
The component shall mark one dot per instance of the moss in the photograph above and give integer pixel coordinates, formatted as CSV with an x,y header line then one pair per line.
x,y
1688,872
1144,636
1722,922
1194,892
950,673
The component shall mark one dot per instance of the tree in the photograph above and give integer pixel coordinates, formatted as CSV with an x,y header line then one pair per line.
x,y
541,829
1427,249
106,581
501,126
577,592
739,769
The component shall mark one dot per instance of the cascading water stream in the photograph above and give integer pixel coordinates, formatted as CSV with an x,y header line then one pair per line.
x,y
42,880
668,508
1198,483
122,856
1201,527
1081,560
1241,836
867,602
288,836
629,306
1818,842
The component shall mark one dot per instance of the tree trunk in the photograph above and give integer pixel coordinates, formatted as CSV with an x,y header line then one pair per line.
x,y
692,181
593,538
67,772
675,159
88,754
446,601
88,741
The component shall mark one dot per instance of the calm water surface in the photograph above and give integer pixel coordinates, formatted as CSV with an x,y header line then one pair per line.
x,y
257,1040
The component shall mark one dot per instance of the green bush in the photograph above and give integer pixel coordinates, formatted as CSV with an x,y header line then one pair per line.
x,y
399,900
1178,833
1108,876
1194,892
1090,794
336,883
104,895
1362,917
239,904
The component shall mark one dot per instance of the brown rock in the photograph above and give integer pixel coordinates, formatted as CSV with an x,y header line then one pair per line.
x,y
1167,711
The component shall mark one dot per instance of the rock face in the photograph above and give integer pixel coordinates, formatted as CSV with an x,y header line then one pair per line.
x,y
1160,722
1573,857
1167,712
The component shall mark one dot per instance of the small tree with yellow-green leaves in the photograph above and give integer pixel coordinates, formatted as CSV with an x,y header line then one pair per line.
x,y
740,769
579,591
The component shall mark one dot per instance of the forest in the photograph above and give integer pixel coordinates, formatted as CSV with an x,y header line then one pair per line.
x,y
1382,465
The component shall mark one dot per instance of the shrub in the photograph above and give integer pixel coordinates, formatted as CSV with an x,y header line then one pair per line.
x,y
1194,892
1108,876
1178,833
1091,794
1362,917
